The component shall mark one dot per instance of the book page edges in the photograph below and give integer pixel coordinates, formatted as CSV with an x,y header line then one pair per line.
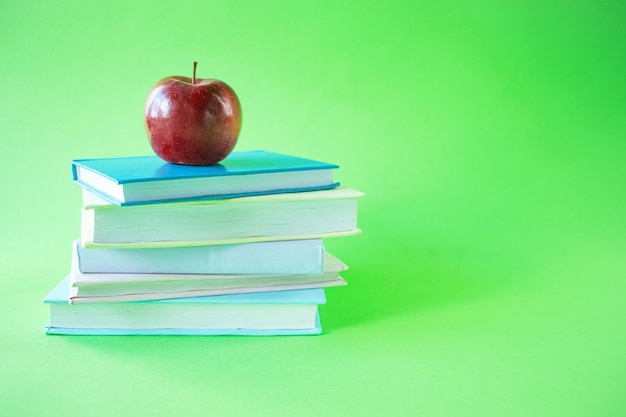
x,y
61,292
331,192
49,330
88,240
170,295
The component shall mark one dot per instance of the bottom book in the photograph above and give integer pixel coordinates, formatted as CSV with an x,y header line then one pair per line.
x,y
255,314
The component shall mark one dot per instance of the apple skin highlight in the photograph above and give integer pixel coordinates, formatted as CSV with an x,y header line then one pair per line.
x,y
192,121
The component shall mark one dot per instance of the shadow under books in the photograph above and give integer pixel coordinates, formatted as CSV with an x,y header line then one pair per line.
x,y
380,290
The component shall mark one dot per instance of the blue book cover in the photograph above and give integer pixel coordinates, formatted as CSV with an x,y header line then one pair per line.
x,y
58,299
149,179
302,256
72,331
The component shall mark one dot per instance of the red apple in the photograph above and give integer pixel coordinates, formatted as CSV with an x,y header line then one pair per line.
x,y
192,121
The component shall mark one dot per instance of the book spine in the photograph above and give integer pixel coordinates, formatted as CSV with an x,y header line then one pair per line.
x,y
74,172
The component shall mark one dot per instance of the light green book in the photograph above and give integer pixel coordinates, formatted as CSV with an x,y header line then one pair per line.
x,y
289,216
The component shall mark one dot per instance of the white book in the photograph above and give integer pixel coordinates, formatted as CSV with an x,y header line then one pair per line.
x,y
290,216
107,287
279,257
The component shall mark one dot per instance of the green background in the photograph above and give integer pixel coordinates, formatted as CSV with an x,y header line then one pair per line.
x,y
490,279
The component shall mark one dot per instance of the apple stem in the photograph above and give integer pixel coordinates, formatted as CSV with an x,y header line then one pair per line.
x,y
193,77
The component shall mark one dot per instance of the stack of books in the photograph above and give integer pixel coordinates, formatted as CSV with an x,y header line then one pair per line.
x,y
230,249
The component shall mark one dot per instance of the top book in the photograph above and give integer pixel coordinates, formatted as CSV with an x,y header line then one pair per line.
x,y
149,179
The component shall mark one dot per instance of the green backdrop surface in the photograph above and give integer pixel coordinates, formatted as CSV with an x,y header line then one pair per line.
x,y
490,279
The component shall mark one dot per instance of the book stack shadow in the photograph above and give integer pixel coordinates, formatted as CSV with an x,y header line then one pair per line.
x,y
235,248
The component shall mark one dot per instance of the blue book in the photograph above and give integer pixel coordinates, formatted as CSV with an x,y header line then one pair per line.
x,y
149,179
115,287
272,258
255,314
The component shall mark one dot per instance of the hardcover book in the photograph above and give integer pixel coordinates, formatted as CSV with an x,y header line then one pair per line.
x,y
291,216
279,257
106,287
255,314
148,179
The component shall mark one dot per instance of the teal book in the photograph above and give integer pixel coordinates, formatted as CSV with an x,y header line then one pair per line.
x,y
256,314
149,180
